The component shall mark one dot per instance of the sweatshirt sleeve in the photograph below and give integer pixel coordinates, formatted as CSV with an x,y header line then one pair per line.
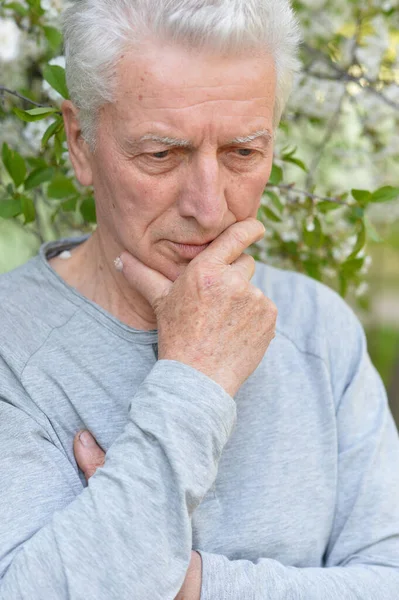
x,y
128,534
362,557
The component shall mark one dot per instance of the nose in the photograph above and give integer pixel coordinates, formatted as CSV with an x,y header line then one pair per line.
x,y
203,193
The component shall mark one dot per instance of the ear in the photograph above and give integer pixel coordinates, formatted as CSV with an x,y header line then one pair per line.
x,y
79,151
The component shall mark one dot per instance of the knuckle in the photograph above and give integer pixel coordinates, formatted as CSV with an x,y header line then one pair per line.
x,y
206,279
258,294
237,282
202,274
272,308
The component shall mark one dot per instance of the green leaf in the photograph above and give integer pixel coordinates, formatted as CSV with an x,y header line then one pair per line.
x,y
360,242
351,266
276,175
295,161
312,268
36,7
278,205
28,208
37,177
35,114
53,36
58,147
61,187
288,153
327,205
363,197
70,205
55,76
385,194
343,285
19,8
88,210
10,208
313,239
14,163
36,162
270,215
372,232
51,130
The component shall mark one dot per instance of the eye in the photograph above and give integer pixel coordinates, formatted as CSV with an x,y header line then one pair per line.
x,y
246,152
160,155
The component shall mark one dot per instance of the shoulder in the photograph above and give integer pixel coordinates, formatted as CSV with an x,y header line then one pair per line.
x,y
313,317
30,308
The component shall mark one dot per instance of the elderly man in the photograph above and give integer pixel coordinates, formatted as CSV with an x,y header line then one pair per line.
x,y
241,454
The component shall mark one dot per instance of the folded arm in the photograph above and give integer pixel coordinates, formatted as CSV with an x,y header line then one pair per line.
x,y
361,560
128,534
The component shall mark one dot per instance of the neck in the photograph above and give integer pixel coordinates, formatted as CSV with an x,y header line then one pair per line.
x,y
92,273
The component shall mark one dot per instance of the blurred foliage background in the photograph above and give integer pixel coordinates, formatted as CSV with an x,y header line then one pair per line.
x,y
331,208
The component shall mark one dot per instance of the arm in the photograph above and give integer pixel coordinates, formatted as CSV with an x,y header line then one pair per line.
x,y
90,457
128,534
362,556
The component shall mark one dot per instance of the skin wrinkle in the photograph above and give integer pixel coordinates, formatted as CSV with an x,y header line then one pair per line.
x,y
134,145
207,102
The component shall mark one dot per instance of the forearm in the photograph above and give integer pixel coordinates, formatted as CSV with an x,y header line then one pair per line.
x,y
270,580
108,542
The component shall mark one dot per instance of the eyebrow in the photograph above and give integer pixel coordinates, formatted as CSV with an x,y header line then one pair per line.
x,y
264,134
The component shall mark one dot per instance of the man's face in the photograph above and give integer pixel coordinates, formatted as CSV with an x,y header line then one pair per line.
x,y
151,195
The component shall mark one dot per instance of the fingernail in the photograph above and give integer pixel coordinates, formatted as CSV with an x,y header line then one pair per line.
x,y
87,439
118,264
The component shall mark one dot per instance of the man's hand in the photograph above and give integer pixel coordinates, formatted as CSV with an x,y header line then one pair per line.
x,y
89,458
211,318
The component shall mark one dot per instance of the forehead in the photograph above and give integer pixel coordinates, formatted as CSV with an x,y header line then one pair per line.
x,y
185,89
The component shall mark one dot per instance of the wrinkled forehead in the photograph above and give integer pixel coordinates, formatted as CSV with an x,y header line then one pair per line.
x,y
170,77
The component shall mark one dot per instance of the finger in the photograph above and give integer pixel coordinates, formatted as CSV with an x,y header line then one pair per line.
x,y
230,244
245,265
89,458
151,284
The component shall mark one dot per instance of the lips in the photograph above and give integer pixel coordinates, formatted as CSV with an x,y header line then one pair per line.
x,y
195,243
189,251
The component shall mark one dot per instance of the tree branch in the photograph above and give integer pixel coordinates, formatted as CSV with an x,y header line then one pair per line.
x,y
343,75
327,136
3,90
291,188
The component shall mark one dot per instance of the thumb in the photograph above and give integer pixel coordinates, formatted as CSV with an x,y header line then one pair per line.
x,y
150,283
88,454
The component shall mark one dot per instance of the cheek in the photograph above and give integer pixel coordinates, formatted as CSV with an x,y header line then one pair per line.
x,y
245,197
127,197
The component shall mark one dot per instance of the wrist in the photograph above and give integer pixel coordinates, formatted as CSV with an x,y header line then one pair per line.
x,y
191,589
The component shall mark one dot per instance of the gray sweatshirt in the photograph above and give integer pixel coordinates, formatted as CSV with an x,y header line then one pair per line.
x,y
289,491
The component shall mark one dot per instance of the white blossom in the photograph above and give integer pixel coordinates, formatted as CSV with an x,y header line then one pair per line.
x,y
290,236
10,36
374,48
53,8
362,289
310,226
34,131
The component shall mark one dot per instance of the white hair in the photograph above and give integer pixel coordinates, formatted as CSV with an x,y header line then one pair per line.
x,y
97,31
